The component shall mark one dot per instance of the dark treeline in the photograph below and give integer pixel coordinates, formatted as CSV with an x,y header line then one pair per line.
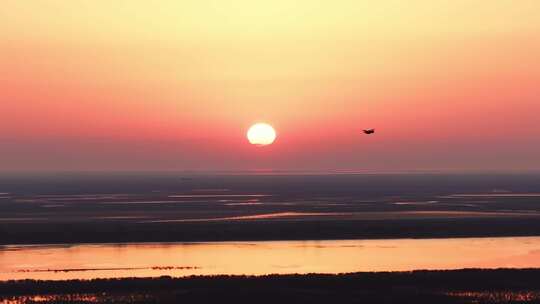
x,y
384,287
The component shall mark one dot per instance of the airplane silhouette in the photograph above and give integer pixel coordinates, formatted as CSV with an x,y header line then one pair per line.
x,y
369,131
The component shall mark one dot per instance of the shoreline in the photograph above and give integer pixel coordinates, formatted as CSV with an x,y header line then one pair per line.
x,y
259,241
346,275
259,230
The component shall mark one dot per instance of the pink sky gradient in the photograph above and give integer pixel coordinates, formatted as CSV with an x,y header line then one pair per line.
x,y
174,85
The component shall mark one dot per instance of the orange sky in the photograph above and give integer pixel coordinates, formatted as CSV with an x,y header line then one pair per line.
x,y
174,85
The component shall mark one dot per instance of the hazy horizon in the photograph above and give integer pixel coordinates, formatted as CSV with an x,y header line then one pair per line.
x,y
10,173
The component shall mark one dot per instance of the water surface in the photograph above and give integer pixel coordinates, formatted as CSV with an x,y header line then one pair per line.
x,y
56,262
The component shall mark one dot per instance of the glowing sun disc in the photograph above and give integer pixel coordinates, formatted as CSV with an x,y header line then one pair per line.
x,y
261,134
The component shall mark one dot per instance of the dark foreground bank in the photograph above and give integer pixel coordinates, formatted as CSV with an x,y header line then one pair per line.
x,y
461,286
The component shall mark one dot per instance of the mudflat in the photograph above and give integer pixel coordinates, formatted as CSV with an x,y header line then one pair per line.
x,y
167,207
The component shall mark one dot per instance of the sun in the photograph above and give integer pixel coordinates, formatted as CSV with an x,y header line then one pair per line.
x,y
261,134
